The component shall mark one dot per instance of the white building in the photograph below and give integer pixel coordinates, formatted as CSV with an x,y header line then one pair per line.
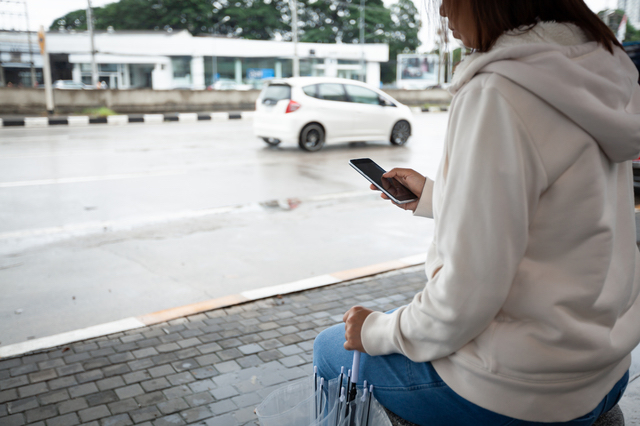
x,y
632,9
167,60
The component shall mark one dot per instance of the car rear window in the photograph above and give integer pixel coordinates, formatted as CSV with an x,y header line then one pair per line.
x,y
276,92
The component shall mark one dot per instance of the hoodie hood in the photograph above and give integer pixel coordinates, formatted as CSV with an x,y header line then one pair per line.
x,y
595,89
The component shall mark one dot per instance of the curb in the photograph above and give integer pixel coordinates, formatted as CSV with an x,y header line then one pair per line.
x,y
188,117
131,323
114,120
430,109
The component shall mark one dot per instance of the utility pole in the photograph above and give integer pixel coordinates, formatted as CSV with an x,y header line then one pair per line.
x,y
94,67
33,70
46,71
294,31
362,69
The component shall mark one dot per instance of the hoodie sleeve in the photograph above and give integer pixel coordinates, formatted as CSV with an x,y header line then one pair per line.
x,y
425,206
492,180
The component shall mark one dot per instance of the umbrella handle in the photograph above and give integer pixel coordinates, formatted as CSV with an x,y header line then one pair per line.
x,y
355,368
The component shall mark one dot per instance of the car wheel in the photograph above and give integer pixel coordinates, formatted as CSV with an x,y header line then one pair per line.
x,y
400,133
271,141
312,137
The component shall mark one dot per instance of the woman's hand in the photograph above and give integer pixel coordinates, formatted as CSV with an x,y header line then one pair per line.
x,y
411,179
353,320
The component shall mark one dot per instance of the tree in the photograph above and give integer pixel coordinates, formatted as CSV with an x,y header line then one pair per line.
x,y
613,18
326,21
403,37
254,19
633,34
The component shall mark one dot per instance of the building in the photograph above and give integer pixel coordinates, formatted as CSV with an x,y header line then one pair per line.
x,y
164,60
632,9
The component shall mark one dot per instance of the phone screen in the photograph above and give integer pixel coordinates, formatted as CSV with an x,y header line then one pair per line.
x,y
394,189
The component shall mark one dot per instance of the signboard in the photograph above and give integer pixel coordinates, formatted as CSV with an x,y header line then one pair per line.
x,y
260,73
41,41
417,71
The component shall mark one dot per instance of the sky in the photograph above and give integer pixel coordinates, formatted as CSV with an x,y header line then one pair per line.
x,y
43,12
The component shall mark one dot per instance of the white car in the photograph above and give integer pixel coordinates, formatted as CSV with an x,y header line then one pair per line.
x,y
68,85
312,111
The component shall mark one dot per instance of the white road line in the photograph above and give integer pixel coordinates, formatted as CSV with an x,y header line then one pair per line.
x,y
85,228
115,225
89,178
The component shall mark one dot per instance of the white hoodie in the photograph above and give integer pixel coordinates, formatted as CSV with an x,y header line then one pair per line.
x,y
532,303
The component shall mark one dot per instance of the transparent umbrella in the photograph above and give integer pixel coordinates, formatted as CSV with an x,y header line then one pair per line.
x,y
312,402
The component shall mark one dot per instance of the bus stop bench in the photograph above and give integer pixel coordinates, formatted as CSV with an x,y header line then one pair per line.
x,y
612,417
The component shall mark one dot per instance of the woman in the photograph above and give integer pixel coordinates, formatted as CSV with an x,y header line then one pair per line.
x,y
531,308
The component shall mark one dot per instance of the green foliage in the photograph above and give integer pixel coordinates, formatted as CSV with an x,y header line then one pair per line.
x,y
613,20
98,112
632,33
403,37
319,21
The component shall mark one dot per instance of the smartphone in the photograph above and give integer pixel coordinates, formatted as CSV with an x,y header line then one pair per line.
x,y
397,192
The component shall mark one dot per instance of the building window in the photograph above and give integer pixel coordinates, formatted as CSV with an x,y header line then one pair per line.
x,y
108,67
226,68
181,67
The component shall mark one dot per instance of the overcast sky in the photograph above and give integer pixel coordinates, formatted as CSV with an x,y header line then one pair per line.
x,y
43,12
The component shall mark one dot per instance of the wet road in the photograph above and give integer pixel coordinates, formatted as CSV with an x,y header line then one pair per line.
x,y
101,223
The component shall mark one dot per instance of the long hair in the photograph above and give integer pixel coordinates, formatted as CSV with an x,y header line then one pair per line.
x,y
494,17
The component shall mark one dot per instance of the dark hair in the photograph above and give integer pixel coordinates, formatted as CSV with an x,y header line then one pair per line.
x,y
494,17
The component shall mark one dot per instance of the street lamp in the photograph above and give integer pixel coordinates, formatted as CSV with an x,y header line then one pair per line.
x,y
94,67
294,31
215,57
362,70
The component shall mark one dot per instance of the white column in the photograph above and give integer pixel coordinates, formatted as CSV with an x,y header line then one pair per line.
x,y
76,74
373,73
161,77
197,73
331,67
278,70
238,70
126,77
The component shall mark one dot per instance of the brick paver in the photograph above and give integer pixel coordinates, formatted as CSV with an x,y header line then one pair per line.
x,y
207,369
210,368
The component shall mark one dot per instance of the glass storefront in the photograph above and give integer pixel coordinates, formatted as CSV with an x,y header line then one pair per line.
x,y
181,66
220,72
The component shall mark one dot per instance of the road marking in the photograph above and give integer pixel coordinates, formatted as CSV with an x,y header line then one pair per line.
x,y
117,120
89,178
84,228
188,117
36,122
114,225
80,120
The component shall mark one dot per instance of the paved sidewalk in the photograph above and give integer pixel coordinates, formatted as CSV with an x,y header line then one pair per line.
x,y
207,369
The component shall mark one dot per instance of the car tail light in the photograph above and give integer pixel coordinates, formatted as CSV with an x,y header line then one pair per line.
x,y
292,107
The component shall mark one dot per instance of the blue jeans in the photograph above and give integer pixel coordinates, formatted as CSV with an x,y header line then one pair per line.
x,y
415,392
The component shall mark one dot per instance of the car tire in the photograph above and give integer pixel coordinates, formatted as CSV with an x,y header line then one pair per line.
x,y
400,133
312,137
272,141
